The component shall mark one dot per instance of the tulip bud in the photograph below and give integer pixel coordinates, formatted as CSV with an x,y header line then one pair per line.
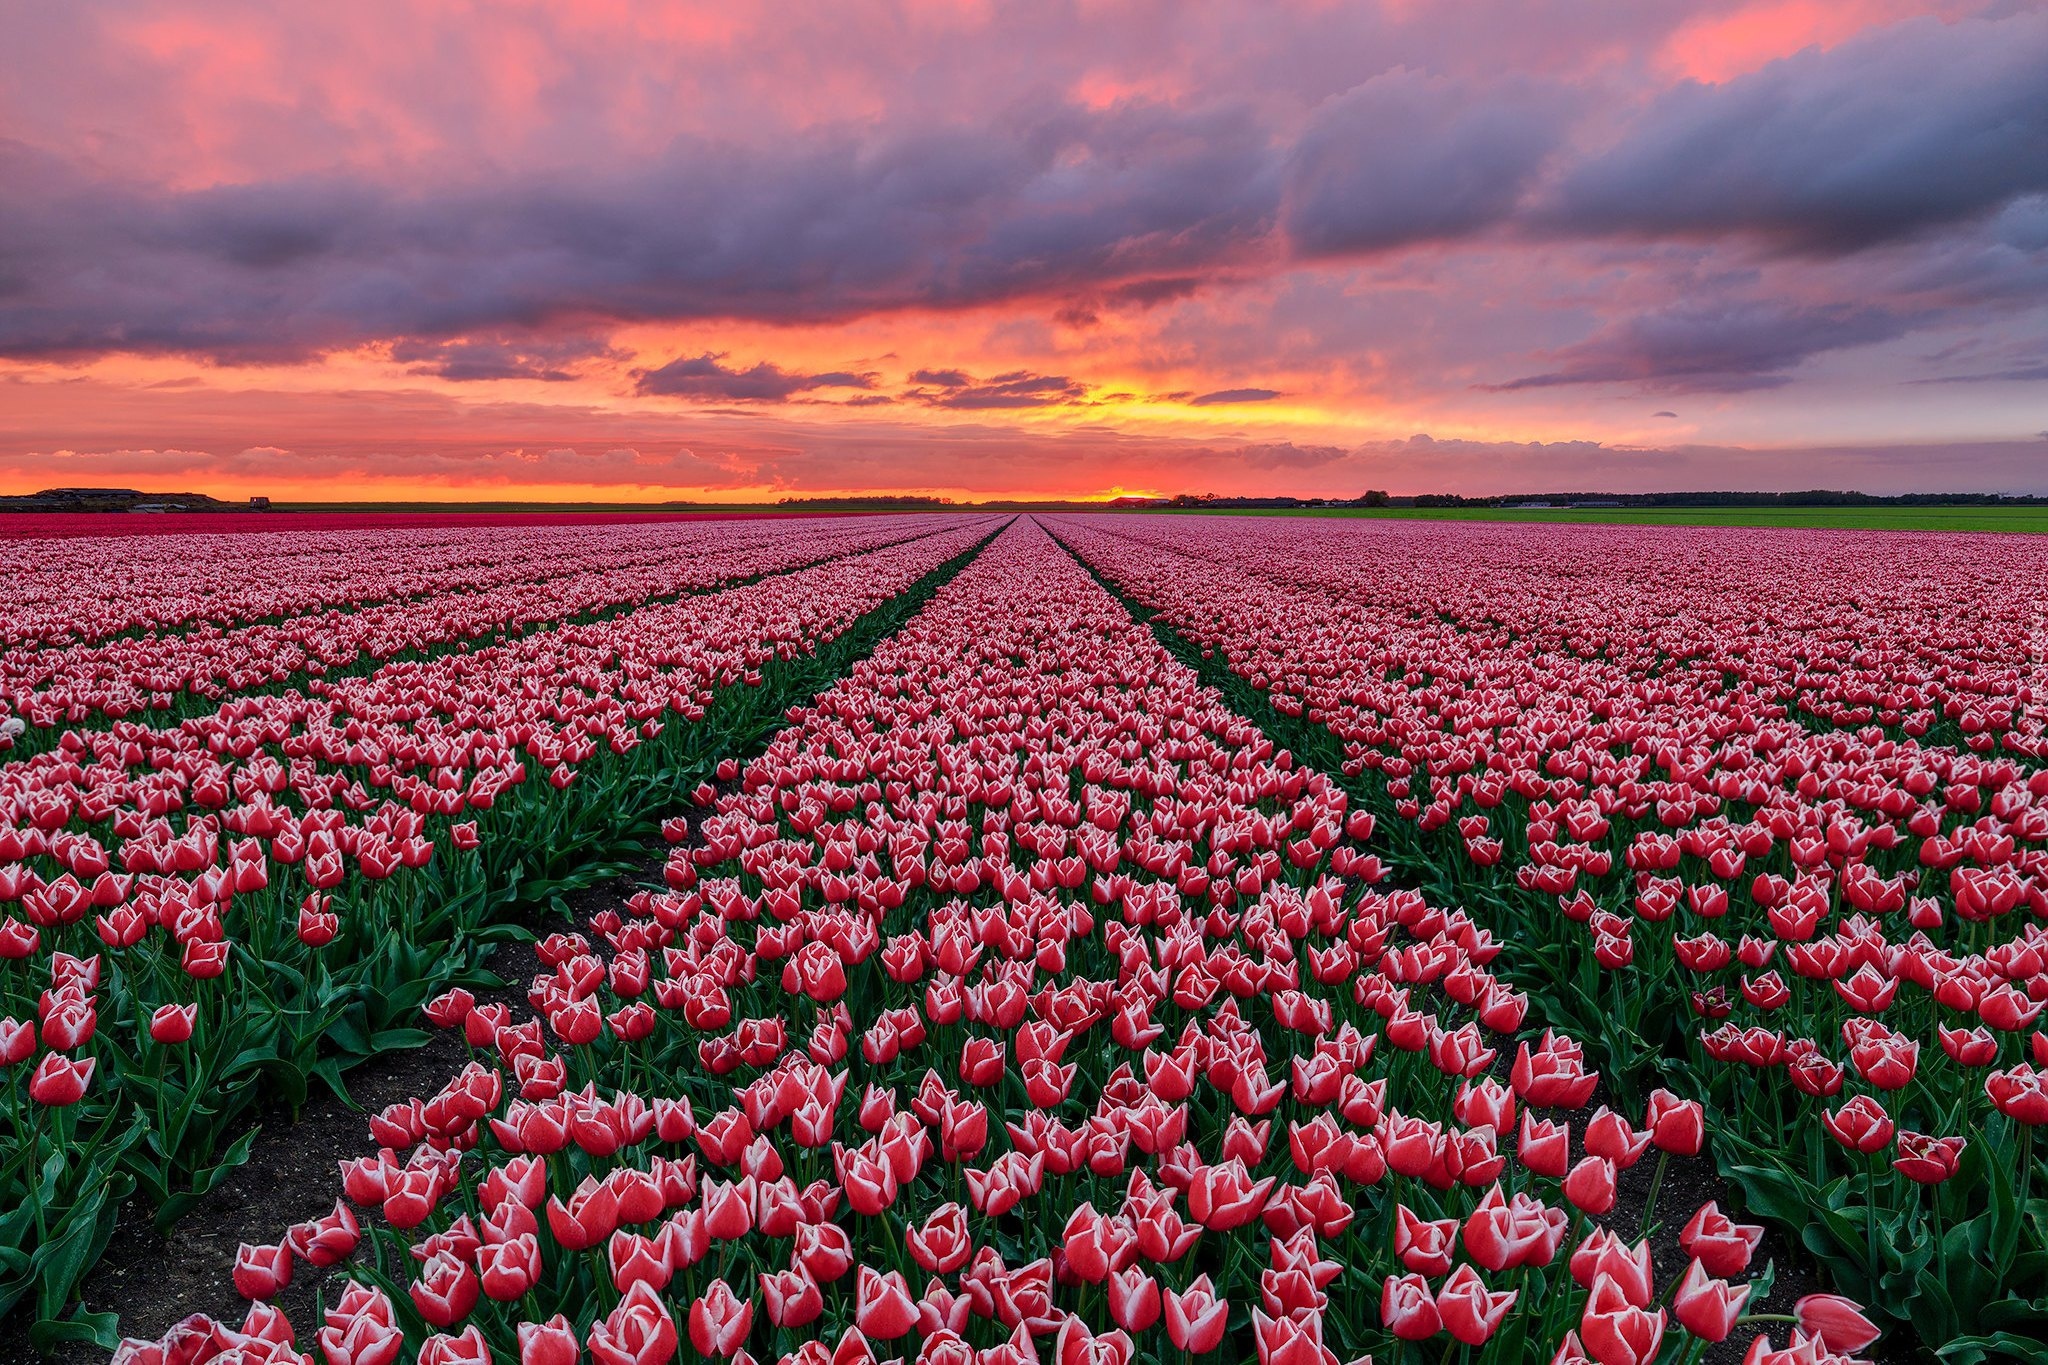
x,y
548,1343
59,1081
1838,1322
172,1024
260,1271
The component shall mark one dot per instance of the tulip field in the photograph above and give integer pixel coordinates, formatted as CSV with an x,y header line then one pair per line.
x,y
1039,939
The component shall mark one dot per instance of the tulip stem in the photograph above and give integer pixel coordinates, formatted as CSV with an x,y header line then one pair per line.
x,y
35,1172
1656,1184
1940,1239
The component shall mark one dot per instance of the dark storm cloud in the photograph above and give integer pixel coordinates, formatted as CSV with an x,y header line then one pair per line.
x,y
1713,348
1408,157
705,376
1906,128
1066,203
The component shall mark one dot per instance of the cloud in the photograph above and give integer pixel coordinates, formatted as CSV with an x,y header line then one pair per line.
x,y
499,357
1221,396
1713,347
1132,203
1366,206
704,376
1017,389
1287,455
1408,157
2035,373
1903,129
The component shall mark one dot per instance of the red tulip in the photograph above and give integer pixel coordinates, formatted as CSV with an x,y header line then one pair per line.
x,y
1469,1310
981,1062
719,1323
1605,1256
1707,1307
1861,1124
942,1244
1134,1299
323,1242
1722,1246
1590,1186
446,1289
17,1041
639,1331
172,1024
1195,1317
792,1297
1076,1345
1609,1135
361,1341
1928,1160
1969,1047
466,1349
1225,1196
824,1251
509,1268
59,1081
1424,1247
633,1259
1544,1147
547,1343
359,1329
1676,1126
1616,1331
1408,1308
883,1309
260,1271
204,961
1837,1321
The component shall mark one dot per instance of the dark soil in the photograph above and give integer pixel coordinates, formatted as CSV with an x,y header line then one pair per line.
x,y
153,1280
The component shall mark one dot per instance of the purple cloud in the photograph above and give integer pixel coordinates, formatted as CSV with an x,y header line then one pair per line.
x,y
704,376
1901,130
1225,396
499,357
1017,389
1407,157
1713,347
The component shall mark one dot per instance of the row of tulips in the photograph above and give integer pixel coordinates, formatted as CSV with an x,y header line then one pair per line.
x,y
1020,998
290,877
549,576
1928,637
96,587
1835,933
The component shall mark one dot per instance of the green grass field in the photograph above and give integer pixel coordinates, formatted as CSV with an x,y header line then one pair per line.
x,y
1962,518
2029,519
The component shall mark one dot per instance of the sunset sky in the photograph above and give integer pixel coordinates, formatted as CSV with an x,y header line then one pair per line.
x,y
737,251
